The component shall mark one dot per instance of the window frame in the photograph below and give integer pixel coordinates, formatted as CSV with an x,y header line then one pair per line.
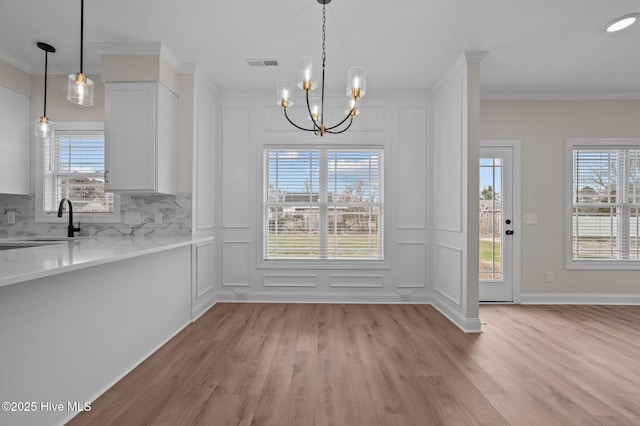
x,y
590,264
320,264
93,217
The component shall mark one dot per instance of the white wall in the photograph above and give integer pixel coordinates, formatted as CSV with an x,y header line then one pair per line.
x,y
455,179
397,123
543,128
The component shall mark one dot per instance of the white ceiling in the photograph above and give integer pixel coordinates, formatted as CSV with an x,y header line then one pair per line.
x,y
537,48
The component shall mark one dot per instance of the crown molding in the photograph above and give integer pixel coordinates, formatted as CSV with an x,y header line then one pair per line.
x,y
604,96
16,62
152,48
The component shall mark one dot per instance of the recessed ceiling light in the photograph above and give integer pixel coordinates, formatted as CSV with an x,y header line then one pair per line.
x,y
622,22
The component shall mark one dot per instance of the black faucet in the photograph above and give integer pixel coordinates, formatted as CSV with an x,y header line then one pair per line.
x,y
70,229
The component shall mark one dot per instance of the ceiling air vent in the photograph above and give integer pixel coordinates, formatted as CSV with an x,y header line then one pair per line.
x,y
262,62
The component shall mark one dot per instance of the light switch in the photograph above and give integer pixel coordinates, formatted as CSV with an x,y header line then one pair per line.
x,y
530,219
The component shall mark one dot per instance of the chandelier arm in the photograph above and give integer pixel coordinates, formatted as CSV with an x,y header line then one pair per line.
x,y
340,131
294,124
350,114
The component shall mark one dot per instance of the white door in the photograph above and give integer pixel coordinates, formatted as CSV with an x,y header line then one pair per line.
x,y
497,222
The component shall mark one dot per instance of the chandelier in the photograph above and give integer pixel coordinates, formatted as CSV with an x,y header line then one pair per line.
x,y
307,81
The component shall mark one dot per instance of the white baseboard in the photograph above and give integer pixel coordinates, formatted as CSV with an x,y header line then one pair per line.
x,y
203,306
243,295
579,299
468,325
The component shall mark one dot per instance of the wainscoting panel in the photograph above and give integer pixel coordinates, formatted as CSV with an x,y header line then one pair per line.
x,y
235,263
409,156
410,260
290,280
238,168
356,281
448,151
447,267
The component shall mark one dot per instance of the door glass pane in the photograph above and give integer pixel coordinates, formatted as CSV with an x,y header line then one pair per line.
x,y
491,229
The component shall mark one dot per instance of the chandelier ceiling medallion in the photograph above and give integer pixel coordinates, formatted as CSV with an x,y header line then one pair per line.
x,y
307,81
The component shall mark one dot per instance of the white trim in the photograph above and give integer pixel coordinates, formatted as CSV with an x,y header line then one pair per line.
x,y
248,296
516,197
468,325
40,216
488,95
571,264
579,299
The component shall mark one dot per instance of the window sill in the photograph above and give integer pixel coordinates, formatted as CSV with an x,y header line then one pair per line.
x,y
603,265
323,264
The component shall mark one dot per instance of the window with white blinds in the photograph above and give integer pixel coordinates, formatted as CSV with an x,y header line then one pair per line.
x,y
74,168
323,203
605,205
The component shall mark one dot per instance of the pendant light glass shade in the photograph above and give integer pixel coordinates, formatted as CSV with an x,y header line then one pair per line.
x,y
44,127
315,106
79,87
356,82
307,74
285,93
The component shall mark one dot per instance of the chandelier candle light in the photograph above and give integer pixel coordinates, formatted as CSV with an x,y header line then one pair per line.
x,y
44,126
307,81
79,87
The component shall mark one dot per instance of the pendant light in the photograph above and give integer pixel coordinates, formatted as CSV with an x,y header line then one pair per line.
x,y
79,87
307,81
44,126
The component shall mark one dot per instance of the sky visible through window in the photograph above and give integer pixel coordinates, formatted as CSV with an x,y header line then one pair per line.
x,y
299,171
487,175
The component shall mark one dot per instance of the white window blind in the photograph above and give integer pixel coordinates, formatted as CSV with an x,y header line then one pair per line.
x,y
605,203
323,204
74,169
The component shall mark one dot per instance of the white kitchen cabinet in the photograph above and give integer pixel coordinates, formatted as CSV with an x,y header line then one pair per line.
x,y
14,142
141,138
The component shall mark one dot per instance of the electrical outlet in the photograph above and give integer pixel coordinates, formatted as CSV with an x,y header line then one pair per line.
x,y
11,217
158,219
132,218
549,277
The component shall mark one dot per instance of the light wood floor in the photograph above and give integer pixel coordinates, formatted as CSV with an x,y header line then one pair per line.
x,y
305,364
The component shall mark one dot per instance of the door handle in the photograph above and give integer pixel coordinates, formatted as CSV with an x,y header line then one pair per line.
x,y
509,232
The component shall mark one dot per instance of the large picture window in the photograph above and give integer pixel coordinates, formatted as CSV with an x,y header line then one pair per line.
x,y
323,203
605,202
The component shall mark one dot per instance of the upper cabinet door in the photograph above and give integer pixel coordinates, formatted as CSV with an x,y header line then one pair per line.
x,y
141,132
14,143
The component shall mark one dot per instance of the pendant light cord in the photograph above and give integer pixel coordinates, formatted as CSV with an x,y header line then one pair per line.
x,y
81,32
46,64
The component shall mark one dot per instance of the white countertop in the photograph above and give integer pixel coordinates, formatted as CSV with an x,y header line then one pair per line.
x,y
24,264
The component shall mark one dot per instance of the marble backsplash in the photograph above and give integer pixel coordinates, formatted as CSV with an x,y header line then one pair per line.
x,y
175,209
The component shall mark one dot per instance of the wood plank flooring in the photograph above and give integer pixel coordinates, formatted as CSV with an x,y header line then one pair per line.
x,y
315,364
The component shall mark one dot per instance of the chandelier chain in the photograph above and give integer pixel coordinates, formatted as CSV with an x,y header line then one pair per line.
x,y
324,33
